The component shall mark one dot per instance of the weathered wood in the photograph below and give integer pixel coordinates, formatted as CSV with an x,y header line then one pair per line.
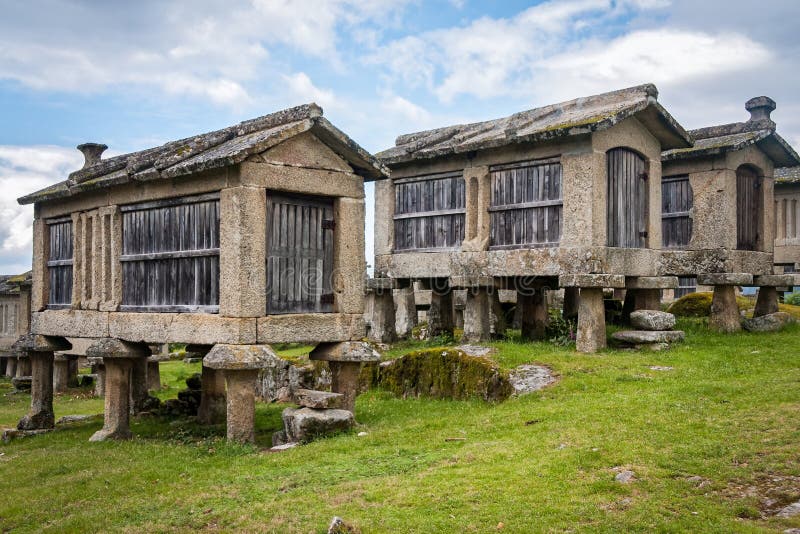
x,y
676,204
627,199
748,208
299,254
170,255
526,204
429,212
60,261
686,285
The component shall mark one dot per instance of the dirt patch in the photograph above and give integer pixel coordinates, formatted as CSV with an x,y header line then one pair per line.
x,y
774,493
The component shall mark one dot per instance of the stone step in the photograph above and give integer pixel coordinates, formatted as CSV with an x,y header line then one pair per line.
x,y
320,400
652,320
641,337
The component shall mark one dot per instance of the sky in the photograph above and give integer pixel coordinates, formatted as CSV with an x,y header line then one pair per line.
x,y
134,75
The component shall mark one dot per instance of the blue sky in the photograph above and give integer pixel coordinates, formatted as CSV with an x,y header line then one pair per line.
x,y
137,74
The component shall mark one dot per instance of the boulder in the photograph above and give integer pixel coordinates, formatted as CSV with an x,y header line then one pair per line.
x,y
643,337
320,400
306,424
22,383
771,322
652,320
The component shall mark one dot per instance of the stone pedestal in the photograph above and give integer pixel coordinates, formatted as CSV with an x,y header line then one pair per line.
x,y
24,367
62,372
99,370
767,301
118,358
382,326
3,363
498,323
139,385
240,365
725,315
591,335
571,302
477,316
212,409
153,374
344,360
532,306
39,351
440,313
405,311
640,299
11,366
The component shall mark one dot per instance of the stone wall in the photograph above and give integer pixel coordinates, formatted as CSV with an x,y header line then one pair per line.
x,y
787,224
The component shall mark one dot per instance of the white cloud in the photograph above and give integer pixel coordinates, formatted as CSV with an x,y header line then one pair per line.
x,y
24,169
302,89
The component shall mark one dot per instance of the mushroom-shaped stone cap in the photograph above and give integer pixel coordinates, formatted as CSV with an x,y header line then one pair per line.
x,y
39,343
116,348
92,152
347,351
240,357
760,108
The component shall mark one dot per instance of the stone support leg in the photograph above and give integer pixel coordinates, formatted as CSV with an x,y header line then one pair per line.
x,y
11,366
498,323
532,306
241,405
100,380
724,310
3,363
139,386
383,317
440,313
591,335
41,415
405,311
571,302
212,399
60,373
116,415
153,375
72,372
767,301
344,380
24,367
477,316
640,299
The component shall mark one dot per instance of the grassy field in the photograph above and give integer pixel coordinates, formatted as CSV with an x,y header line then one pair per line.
x,y
714,443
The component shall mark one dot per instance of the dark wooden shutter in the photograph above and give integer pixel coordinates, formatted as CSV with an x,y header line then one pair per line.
x,y
526,204
299,254
686,285
627,199
676,203
170,255
59,263
429,212
748,202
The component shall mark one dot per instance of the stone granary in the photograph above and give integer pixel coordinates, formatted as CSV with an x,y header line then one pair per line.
x,y
558,196
787,220
717,211
15,299
227,241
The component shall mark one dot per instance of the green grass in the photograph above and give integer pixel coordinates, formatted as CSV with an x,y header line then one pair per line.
x,y
544,462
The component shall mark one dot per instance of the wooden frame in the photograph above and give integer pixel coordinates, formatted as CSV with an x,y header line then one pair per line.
x,y
677,200
60,260
627,201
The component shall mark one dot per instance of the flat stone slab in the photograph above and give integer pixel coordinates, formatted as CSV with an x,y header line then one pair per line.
x,y
772,322
773,280
13,433
306,424
346,351
321,400
652,320
381,283
651,282
617,281
69,419
642,337
39,343
240,357
725,279
116,348
471,281
528,378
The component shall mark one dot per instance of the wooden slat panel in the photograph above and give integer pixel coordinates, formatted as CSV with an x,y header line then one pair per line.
x,y
429,212
748,202
60,259
299,254
170,256
676,203
627,199
526,205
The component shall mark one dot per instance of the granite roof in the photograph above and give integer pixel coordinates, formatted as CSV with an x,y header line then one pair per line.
x,y
220,148
575,117
787,175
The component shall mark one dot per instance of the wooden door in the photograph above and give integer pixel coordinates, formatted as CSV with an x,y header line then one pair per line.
x,y
748,202
299,254
676,205
59,263
627,199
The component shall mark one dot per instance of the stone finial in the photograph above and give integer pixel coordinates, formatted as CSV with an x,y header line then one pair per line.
x,y
760,107
92,152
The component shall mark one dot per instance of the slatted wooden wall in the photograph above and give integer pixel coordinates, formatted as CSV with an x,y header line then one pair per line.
x,y
627,199
299,254
748,208
686,285
526,204
170,255
59,263
676,203
429,212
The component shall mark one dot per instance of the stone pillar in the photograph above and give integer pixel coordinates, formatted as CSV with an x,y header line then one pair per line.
x,y
725,315
3,363
640,299
99,370
240,365
591,335
497,318
118,358
11,366
40,350
383,317
440,313
571,302
139,385
344,360
532,306
477,316
212,408
61,373
72,372
405,311
767,301
23,365
153,373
